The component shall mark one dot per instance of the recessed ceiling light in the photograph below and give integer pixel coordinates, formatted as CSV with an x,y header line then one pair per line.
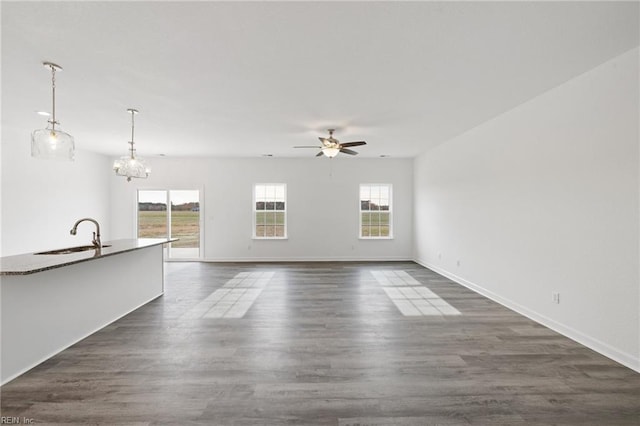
x,y
267,155
43,113
384,156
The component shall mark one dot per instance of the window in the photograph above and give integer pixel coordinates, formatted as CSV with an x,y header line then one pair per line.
x,y
375,211
269,210
181,220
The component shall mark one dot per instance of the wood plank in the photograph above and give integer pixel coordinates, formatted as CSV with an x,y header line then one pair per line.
x,y
323,344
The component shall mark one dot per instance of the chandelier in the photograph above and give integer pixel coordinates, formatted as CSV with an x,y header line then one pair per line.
x,y
52,143
129,165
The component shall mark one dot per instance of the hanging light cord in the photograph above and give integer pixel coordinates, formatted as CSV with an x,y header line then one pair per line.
x,y
133,113
53,89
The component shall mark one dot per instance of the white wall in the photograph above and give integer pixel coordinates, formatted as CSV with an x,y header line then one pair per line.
x,y
545,198
41,199
322,196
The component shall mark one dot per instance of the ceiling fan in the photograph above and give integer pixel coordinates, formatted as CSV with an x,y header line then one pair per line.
x,y
332,146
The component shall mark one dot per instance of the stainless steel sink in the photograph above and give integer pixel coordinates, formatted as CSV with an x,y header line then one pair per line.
x,y
70,250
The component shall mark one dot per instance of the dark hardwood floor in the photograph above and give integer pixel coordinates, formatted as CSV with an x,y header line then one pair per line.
x,y
322,344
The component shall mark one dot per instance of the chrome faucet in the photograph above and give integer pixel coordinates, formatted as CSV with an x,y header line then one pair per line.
x,y
96,235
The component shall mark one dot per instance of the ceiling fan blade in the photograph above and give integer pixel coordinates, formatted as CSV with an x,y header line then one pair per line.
x,y
308,146
323,140
348,151
319,154
358,143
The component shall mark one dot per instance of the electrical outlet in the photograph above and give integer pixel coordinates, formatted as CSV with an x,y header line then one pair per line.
x,y
555,296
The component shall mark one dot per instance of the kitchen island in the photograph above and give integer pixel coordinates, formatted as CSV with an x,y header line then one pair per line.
x,y
48,302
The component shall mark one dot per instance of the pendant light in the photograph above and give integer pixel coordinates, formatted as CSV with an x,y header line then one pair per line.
x,y
52,143
130,166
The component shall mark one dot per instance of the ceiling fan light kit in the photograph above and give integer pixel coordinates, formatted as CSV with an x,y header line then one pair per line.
x,y
331,146
51,142
330,151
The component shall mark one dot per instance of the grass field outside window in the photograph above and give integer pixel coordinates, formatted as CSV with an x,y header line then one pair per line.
x,y
184,225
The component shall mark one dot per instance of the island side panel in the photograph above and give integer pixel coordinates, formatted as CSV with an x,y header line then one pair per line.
x,y
44,313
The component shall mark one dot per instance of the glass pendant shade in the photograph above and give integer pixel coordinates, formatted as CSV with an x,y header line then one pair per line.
x,y
330,152
52,144
131,168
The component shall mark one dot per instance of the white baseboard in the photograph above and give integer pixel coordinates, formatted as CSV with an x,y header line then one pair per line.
x,y
605,349
306,259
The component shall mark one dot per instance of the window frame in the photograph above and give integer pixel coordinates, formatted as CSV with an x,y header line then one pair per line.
x,y
255,211
390,213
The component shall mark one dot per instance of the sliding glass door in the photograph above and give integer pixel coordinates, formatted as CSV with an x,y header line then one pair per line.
x,y
175,214
184,223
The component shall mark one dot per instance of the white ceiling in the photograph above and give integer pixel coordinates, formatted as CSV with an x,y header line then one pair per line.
x,y
254,78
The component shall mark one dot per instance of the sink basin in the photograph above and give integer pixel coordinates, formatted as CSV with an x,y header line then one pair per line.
x,y
70,250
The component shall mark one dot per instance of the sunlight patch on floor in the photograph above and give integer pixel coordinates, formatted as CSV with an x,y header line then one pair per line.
x,y
410,297
234,299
